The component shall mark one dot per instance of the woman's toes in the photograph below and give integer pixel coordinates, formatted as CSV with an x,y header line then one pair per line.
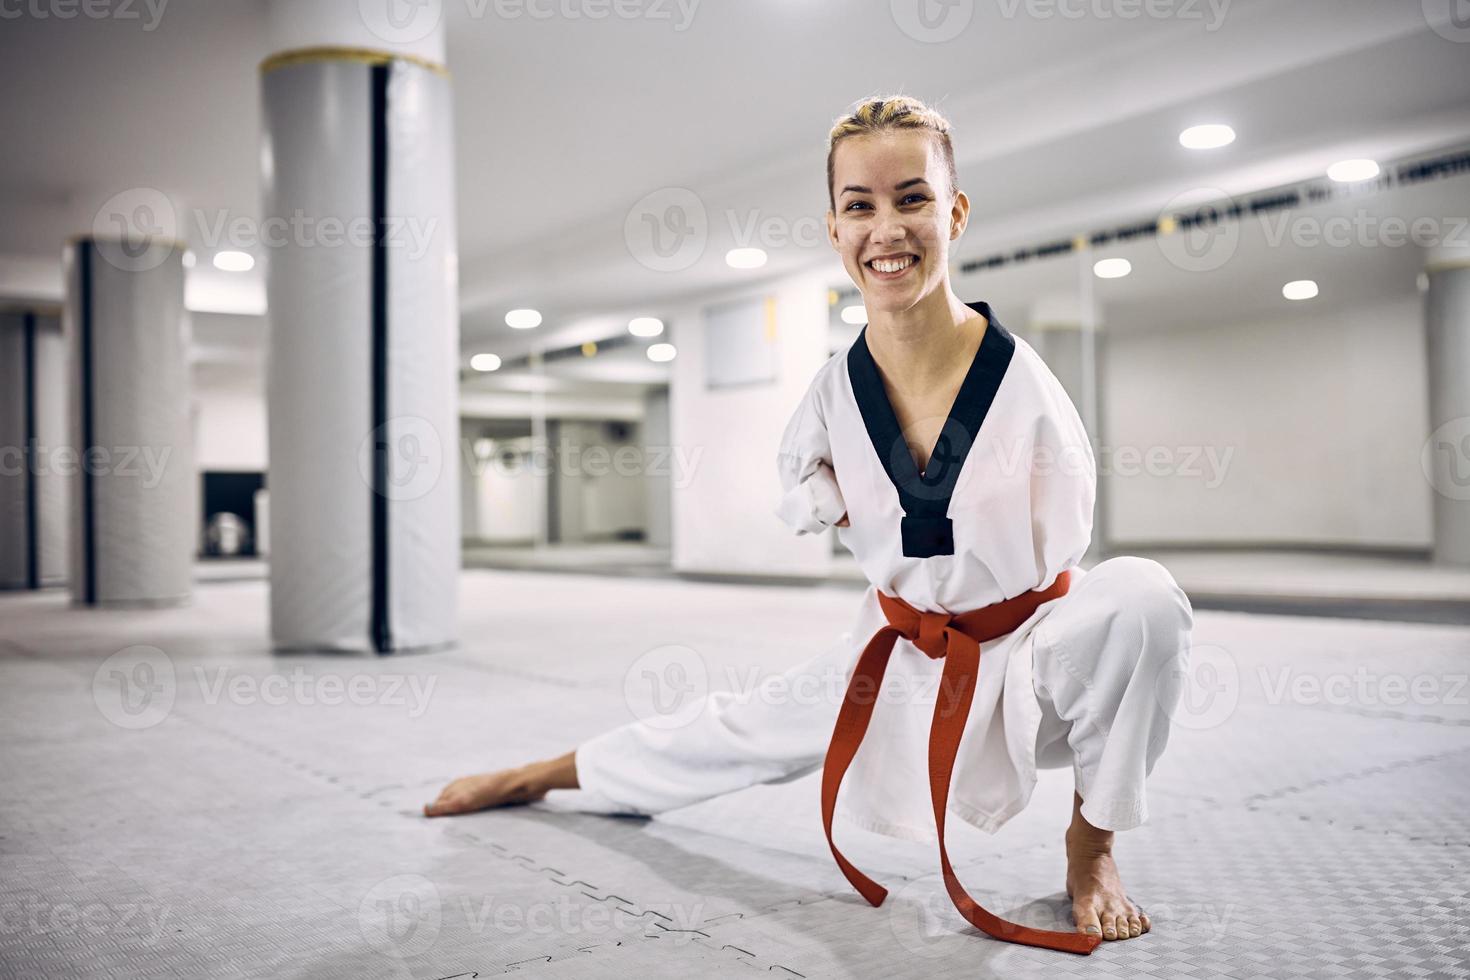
x,y
1087,920
1143,917
1135,927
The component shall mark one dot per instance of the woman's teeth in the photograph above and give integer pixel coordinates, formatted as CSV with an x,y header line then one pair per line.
x,y
892,265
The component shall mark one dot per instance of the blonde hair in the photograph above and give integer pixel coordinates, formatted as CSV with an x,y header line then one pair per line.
x,y
883,113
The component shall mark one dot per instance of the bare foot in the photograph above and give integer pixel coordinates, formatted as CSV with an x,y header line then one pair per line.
x,y
480,792
1099,903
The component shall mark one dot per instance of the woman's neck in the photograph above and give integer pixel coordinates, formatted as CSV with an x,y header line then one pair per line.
x,y
923,346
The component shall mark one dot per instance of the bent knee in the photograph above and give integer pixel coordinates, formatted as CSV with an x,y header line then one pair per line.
x,y
1144,588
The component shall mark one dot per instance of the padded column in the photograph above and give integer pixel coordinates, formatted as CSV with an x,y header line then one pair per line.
x,y
362,380
128,374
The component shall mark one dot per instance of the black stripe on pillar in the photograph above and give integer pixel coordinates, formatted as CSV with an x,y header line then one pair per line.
x,y
381,628
33,561
89,510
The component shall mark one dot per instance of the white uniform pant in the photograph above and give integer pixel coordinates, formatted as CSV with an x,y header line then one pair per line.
x,y
1107,665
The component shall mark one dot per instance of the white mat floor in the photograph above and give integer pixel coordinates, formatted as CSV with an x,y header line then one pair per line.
x,y
201,807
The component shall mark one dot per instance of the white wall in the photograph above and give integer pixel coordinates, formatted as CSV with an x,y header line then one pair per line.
x,y
231,433
1323,414
722,505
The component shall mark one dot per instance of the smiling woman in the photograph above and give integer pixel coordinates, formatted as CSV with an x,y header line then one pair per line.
x,y
961,478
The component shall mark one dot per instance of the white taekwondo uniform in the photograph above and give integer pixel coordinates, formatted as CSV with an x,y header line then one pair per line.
x,y
1088,681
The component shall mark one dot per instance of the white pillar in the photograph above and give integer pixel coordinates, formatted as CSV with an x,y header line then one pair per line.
x,y
1447,450
33,516
128,374
362,381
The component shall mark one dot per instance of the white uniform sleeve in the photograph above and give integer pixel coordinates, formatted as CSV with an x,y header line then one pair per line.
x,y
811,500
1063,484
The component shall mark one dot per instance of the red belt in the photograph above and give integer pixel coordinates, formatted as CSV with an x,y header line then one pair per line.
x,y
956,638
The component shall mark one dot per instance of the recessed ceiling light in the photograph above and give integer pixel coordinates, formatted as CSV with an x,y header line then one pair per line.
x,y
233,261
645,326
855,314
1352,171
523,319
485,362
1299,289
189,259
745,258
1112,268
661,352
1207,137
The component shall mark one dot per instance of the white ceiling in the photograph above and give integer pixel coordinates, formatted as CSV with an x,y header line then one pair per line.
x,y
1063,124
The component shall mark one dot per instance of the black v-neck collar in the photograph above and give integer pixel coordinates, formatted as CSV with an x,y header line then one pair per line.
x,y
925,496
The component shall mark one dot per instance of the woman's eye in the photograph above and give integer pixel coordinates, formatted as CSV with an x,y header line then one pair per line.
x,y
907,198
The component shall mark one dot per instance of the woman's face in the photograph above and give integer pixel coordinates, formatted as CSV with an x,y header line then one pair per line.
x,y
891,193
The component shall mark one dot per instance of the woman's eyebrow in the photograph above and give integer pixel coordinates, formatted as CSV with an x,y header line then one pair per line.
x,y
857,188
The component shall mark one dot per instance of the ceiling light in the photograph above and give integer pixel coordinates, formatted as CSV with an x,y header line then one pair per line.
x,y
233,261
745,258
855,314
1112,268
523,319
1207,137
661,352
485,362
1352,171
1299,289
645,326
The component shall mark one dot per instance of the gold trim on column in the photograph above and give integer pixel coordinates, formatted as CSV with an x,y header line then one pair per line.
x,y
363,56
1447,265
